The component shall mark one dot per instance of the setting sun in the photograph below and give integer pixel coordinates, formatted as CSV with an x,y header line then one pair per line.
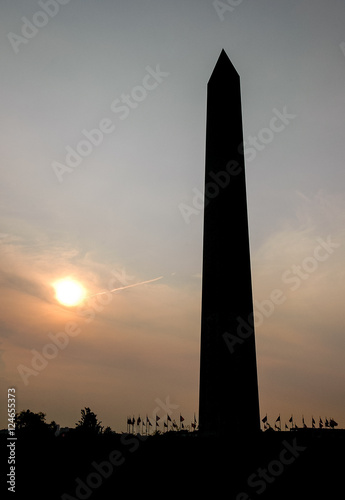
x,y
69,292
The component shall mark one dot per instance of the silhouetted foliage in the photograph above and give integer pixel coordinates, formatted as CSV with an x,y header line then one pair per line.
x,y
30,422
89,422
108,430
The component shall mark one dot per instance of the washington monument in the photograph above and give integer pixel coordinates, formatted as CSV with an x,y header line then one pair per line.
x,y
228,372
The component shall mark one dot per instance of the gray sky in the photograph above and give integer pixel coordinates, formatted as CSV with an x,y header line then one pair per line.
x,y
115,217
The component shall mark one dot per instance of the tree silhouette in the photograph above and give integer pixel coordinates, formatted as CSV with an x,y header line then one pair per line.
x,y
89,422
30,422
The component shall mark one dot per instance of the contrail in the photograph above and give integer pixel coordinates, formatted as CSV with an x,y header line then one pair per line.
x,y
127,286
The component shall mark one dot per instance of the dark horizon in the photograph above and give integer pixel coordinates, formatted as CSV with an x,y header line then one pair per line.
x,y
82,462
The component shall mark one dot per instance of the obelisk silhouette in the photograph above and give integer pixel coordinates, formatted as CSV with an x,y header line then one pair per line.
x,y
229,399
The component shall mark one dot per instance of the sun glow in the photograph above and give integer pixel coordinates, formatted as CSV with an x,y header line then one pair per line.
x,y
69,292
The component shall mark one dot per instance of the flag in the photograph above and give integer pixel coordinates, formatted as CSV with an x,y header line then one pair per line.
x,y
278,419
165,424
150,423
157,418
181,418
290,419
320,424
169,419
320,421
264,419
138,421
286,427
129,421
326,423
193,425
332,423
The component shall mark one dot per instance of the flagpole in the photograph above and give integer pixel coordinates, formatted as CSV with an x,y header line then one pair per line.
x,y
264,420
304,424
280,424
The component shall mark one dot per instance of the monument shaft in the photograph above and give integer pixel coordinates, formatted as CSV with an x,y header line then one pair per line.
x,y
228,372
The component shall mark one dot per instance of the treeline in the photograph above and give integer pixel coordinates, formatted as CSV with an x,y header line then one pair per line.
x,y
27,421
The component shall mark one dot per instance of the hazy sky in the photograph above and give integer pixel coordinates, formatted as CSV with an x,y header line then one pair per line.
x,y
102,145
